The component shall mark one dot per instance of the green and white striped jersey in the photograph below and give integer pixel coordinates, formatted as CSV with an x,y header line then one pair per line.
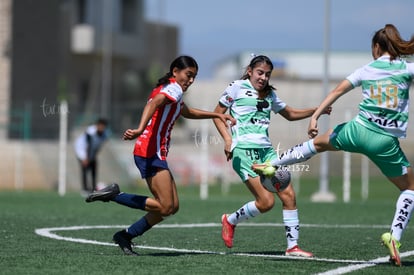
x,y
252,114
385,89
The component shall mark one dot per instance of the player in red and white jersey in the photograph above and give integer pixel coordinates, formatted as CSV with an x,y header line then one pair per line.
x,y
156,137
164,106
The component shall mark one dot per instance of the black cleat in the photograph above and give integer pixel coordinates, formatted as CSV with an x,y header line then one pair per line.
x,y
123,239
106,194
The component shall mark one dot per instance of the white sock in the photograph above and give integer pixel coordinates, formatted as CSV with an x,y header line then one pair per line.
x,y
403,211
291,221
298,153
249,210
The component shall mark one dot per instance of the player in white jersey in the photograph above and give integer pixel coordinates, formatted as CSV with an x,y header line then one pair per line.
x,y
251,101
374,132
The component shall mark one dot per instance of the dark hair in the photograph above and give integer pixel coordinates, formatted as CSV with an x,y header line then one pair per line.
x,y
102,121
259,59
181,63
389,40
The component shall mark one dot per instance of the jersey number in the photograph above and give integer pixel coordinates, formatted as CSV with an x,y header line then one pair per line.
x,y
253,154
391,95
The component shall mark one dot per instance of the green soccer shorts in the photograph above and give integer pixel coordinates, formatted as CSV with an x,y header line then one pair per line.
x,y
383,150
243,159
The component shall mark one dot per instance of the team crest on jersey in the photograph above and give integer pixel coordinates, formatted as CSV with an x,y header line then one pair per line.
x,y
229,99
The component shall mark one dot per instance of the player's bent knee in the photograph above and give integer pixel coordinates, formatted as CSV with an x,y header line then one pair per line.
x,y
170,211
265,205
175,210
165,212
265,208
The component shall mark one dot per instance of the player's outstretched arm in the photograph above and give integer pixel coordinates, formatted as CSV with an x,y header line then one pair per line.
x,y
193,113
292,114
342,88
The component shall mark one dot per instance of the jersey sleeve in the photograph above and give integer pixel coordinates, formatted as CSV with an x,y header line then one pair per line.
x,y
277,103
172,91
81,147
410,67
229,94
355,78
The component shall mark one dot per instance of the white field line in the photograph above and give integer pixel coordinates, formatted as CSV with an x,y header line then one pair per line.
x,y
353,264
353,267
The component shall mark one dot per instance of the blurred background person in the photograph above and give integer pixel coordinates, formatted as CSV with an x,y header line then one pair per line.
x,y
87,146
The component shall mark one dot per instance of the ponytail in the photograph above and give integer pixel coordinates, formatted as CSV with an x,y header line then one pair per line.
x,y
389,40
164,80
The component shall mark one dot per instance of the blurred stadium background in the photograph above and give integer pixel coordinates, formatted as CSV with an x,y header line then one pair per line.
x,y
103,57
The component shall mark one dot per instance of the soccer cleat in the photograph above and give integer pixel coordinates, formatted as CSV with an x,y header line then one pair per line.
x,y
265,169
123,240
393,246
106,194
296,251
227,231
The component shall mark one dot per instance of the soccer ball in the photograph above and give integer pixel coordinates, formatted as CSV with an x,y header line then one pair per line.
x,y
276,183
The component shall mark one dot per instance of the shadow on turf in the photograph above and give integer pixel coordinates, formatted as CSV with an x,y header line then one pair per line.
x,y
410,263
177,254
404,264
174,254
171,254
270,253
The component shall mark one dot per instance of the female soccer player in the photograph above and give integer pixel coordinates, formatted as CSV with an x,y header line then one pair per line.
x,y
164,106
374,132
251,101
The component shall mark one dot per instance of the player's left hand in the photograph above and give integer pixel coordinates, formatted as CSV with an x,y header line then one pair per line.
x,y
313,128
227,117
131,134
327,111
227,151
